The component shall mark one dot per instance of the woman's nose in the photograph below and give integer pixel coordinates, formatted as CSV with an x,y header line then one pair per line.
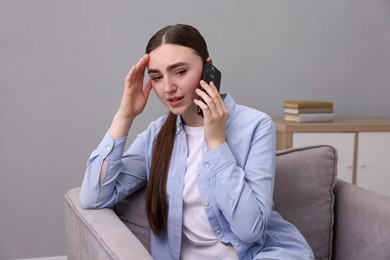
x,y
169,85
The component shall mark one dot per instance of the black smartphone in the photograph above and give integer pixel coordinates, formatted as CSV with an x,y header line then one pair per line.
x,y
210,73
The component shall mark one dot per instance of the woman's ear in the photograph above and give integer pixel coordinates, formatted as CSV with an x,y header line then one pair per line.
x,y
209,59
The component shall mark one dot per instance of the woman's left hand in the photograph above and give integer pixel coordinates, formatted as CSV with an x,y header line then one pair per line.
x,y
215,114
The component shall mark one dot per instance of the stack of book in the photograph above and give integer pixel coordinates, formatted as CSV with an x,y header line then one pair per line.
x,y
308,110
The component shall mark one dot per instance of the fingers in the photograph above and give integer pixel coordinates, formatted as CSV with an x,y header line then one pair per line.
x,y
148,87
137,72
215,114
140,67
212,102
135,77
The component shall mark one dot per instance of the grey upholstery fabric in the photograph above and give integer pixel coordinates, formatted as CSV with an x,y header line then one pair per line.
x,y
98,234
362,224
132,212
303,193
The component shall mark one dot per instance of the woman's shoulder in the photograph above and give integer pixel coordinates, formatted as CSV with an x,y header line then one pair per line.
x,y
158,122
243,112
250,115
254,112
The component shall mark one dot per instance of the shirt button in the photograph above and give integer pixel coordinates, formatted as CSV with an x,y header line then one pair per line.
x,y
237,244
218,231
108,148
206,204
207,166
205,149
198,174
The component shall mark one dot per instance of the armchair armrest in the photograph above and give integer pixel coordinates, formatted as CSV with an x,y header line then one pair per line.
x,y
362,223
98,234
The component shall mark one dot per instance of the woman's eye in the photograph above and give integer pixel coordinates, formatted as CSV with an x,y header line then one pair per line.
x,y
181,72
156,78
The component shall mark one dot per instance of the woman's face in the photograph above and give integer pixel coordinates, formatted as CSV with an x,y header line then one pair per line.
x,y
175,72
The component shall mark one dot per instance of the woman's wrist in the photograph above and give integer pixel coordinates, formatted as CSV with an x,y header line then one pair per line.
x,y
214,144
120,126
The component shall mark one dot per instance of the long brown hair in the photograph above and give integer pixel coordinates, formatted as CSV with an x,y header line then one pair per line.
x,y
155,198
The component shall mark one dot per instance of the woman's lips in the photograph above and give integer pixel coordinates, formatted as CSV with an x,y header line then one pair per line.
x,y
175,101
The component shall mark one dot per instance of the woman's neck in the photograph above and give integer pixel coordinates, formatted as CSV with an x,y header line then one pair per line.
x,y
193,120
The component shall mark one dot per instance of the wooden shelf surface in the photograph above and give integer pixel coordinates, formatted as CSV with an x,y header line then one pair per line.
x,y
340,124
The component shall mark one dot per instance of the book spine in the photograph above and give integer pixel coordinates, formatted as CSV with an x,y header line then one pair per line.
x,y
307,104
315,117
296,111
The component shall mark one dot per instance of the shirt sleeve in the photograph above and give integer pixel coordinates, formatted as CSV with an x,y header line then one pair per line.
x,y
244,192
118,181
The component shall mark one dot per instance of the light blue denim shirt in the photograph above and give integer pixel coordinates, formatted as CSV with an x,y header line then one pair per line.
x,y
235,183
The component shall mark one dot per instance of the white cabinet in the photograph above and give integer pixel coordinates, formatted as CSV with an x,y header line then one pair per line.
x,y
373,171
362,144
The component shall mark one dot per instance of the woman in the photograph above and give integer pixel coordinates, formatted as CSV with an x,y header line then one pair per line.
x,y
209,180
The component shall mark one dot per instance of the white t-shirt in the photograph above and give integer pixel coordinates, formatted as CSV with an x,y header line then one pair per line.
x,y
198,240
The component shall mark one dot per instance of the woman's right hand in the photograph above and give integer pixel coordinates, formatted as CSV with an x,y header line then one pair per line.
x,y
134,98
135,95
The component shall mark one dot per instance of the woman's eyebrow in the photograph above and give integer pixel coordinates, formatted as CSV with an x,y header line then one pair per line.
x,y
169,68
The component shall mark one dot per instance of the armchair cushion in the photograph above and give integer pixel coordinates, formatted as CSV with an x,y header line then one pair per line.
x,y
303,193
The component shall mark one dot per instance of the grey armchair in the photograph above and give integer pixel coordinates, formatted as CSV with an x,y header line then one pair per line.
x,y
339,220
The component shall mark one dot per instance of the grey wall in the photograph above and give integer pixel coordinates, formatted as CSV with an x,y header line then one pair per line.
x,y
62,65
